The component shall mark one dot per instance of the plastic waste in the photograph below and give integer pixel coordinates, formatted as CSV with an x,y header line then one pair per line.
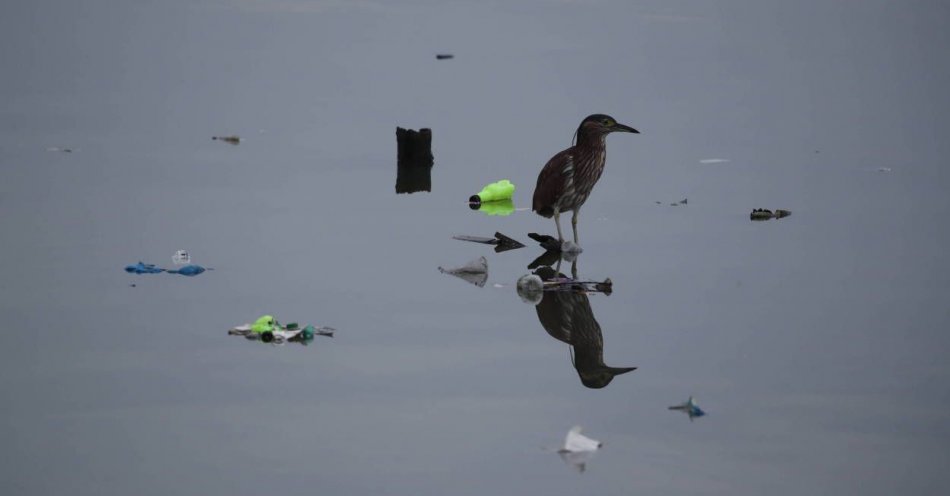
x,y
475,271
143,268
181,257
530,289
578,449
267,329
690,408
500,190
188,270
264,323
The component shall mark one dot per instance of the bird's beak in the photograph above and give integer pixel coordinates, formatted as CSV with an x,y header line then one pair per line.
x,y
622,128
621,370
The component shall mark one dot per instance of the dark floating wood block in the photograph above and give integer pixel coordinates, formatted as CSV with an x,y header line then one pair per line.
x,y
444,56
413,160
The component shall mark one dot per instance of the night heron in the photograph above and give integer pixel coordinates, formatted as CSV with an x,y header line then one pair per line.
x,y
566,180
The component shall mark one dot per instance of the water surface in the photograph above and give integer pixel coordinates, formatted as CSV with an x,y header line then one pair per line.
x,y
816,343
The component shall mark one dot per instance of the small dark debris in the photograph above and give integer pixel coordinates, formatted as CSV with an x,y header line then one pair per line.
x,y
501,242
444,56
233,140
766,214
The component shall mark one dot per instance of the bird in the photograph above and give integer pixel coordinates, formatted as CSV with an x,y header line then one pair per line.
x,y
567,179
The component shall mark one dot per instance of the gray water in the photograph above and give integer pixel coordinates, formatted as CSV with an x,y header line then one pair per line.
x,y
816,343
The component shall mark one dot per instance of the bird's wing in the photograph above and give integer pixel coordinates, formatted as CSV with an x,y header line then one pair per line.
x,y
551,181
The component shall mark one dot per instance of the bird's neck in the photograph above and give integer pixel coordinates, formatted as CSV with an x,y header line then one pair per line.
x,y
591,140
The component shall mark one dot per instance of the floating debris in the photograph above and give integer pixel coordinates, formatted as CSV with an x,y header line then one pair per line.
x,y
684,201
884,169
497,191
549,243
413,160
578,449
444,56
765,214
501,242
188,270
714,161
690,408
547,280
59,149
181,257
232,140
143,268
530,288
267,330
475,271
567,249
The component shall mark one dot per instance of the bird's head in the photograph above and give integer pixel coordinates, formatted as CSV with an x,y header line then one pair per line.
x,y
601,125
599,378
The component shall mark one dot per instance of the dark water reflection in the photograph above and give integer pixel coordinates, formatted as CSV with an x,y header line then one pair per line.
x,y
567,316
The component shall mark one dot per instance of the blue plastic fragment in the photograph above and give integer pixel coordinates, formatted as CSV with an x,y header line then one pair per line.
x,y
189,270
143,268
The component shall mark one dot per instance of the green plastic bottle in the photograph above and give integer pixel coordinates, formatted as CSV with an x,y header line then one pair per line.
x,y
501,190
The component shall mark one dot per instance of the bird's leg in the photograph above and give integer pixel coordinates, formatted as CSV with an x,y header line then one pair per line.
x,y
557,222
574,224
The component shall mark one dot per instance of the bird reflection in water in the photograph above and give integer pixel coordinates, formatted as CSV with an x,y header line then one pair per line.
x,y
565,313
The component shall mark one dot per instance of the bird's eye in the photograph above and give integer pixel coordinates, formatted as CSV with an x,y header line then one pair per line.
x,y
605,122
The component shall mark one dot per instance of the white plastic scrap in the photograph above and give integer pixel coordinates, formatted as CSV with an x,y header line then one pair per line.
x,y
181,257
475,271
578,449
